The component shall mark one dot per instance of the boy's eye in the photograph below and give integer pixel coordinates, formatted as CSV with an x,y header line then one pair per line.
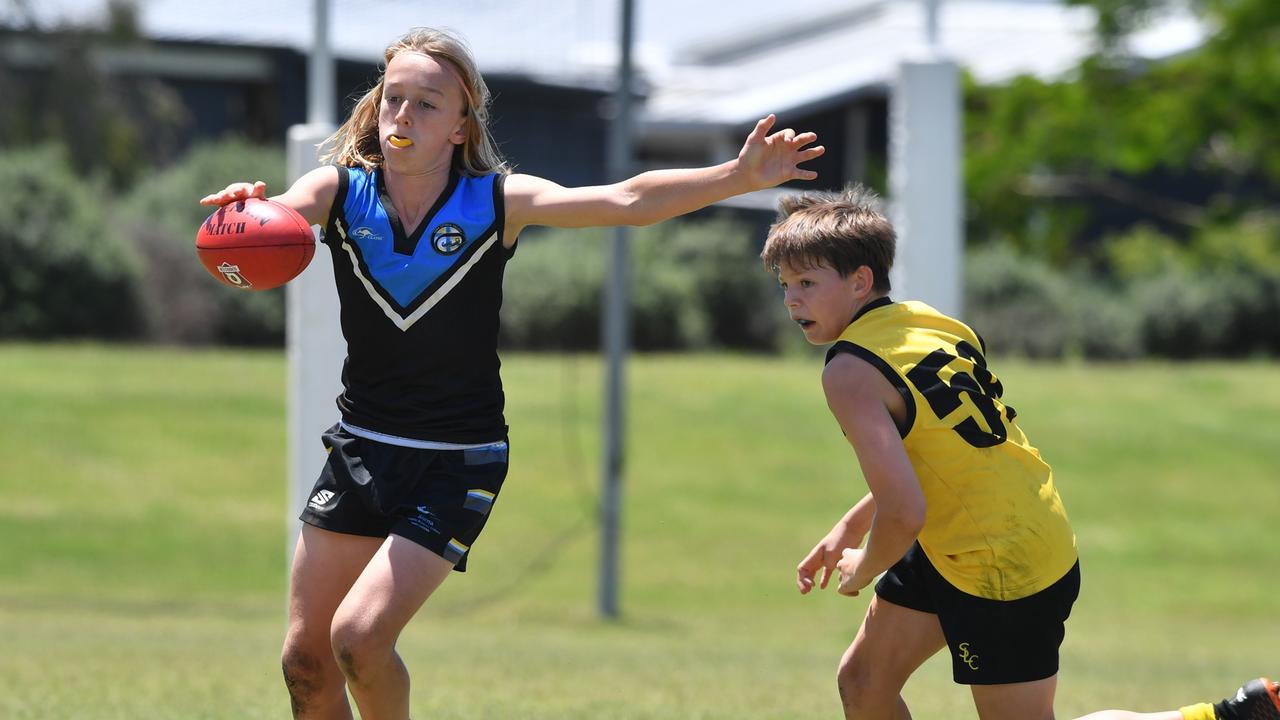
x,y
426,105
806,283
393,99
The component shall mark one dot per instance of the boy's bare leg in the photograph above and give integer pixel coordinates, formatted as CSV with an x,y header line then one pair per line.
x,y
1016,701
1127,715
399,578
1258,699
325,565
891,644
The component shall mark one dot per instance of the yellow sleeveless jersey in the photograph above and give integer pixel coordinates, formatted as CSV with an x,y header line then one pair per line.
x,y
994,524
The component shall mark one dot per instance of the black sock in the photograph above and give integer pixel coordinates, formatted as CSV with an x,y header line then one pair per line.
x,y
1253,701
1224,711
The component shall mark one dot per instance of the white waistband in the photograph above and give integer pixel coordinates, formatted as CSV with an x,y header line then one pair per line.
x,y
421,444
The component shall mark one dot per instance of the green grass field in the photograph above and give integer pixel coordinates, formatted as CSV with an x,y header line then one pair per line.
x,y
142,540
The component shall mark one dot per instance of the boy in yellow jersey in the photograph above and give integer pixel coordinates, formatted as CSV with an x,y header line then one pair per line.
x,y
962,518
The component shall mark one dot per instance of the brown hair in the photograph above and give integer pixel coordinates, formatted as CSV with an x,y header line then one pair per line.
x,y
843,230
356,142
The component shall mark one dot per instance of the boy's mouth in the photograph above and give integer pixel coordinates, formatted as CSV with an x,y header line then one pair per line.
x,y
398,141
803,323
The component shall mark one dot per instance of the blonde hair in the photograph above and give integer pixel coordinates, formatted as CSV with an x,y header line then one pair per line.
x,y
843,230
356,142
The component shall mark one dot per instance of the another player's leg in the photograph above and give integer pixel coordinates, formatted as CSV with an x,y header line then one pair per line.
x,y
396,582
891,644
325,565
1126,715
1257,700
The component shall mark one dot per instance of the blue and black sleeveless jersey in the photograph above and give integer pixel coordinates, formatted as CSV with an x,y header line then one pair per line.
x,y
420,309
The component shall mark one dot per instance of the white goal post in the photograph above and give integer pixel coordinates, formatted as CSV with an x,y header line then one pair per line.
x,y
314,346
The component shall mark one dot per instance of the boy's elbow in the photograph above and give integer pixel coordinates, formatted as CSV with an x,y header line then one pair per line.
x,y
637,214
915,521
908,518
630,208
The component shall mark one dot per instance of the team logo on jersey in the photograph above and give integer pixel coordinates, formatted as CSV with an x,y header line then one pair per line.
x,y
233,276
364,233
448,239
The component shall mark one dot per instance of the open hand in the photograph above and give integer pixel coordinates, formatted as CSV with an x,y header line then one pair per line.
x,y
820,559
771,160
823,558
236,192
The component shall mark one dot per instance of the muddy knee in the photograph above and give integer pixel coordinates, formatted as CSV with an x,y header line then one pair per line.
x,y
306,676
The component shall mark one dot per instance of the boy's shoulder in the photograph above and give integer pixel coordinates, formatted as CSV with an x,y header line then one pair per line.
x,y
911,327
884,312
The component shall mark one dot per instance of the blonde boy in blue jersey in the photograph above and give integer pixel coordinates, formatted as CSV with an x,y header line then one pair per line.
x,y
963,518
421,215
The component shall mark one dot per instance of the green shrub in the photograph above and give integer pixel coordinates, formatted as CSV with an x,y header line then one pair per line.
x,y
1216,295
1180,315
65,269
1218,313
1103,324
554,298
693,284
740,301
1022,306
551,293
667,312
1017,303
184,304
1246,255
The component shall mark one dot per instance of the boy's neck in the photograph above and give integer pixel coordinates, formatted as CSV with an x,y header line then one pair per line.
x,y
413,195
871,301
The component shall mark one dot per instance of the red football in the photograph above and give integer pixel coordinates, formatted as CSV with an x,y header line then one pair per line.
x,y
255,244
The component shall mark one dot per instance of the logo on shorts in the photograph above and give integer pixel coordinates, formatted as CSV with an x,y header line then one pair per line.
x,y
425,520
966,657
320,499
448,239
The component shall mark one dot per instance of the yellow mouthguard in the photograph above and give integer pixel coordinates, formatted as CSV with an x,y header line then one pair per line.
x,y
400,142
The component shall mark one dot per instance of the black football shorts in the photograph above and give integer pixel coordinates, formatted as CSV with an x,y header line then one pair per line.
x,y
992,642
439,499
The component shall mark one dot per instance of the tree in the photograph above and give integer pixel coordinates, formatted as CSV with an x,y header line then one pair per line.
x,y
1183,144
110,125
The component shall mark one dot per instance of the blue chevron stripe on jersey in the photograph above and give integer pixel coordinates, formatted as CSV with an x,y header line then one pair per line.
x,y
407,273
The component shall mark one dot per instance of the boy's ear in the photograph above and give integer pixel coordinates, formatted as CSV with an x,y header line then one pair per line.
x,y
864,280
459,134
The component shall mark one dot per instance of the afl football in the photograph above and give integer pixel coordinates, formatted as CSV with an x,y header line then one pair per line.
x,y
255,244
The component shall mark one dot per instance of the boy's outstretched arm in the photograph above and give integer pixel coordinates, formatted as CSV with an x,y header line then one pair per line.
x,y
766,160
859,397
311,195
